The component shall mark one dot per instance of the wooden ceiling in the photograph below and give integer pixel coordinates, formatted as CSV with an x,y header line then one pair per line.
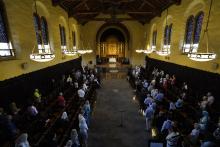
x,y
140,10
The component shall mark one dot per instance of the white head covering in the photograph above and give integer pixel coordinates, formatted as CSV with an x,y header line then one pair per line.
x,y
69,143
22,139
64,116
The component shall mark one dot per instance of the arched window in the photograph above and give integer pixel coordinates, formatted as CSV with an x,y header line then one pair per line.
x,y
41,29
74,38
169,33
189,30
62,37
5,45
44,30
166,35
37,29
154,38
198,27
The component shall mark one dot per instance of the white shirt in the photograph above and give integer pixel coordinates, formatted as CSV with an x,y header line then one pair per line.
x,y
81,93
210,100
85,87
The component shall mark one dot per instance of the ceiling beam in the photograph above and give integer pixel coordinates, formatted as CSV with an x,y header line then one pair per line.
x,y
86,13
80,4
140,12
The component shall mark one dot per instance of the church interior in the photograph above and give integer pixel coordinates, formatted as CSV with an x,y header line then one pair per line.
x,y
109,73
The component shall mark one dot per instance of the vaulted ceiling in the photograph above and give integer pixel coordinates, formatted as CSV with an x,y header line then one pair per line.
x,y
140,10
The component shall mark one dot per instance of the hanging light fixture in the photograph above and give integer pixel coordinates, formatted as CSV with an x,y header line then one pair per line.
x,y
89,50
83,50
204,56
41,55
140,48
149,50
70,52
165,51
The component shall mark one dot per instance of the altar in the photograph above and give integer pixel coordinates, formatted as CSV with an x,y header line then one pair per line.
x,y
112,60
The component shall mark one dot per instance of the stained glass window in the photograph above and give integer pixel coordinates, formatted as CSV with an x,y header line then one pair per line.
x,y
44,30
3,32
62,35
37,28
74,38
154,39
169,34
5,45
189,30
166,35
198,27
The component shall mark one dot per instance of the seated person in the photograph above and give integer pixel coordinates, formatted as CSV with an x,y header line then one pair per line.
x,y
76,85
145,84
69,143
81,93
179,103
210,99
203,104
172,106
13,108
216,133
64,116
11,130
208,141
32,110
203,123
60,100
37,96
69,79
172,137
85,87
194,135
167,124
150,87
148,100
154,92
22,141
160,96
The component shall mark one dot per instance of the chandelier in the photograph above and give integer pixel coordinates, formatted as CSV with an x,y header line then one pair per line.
x,y
43,55
165,51
150,50
83,50
204,56
139,50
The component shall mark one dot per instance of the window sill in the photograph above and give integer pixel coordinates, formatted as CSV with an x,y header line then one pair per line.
x,y
5,58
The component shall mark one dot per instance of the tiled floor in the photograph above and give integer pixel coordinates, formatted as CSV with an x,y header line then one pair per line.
x,y
115,106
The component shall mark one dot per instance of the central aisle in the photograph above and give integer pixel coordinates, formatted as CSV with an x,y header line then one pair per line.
x,y
105,131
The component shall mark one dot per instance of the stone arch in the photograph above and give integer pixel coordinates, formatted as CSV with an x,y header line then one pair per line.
x,y
117,27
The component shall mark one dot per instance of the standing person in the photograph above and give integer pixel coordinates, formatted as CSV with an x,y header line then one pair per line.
x,y
83,128
149,113
86,109
74,138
